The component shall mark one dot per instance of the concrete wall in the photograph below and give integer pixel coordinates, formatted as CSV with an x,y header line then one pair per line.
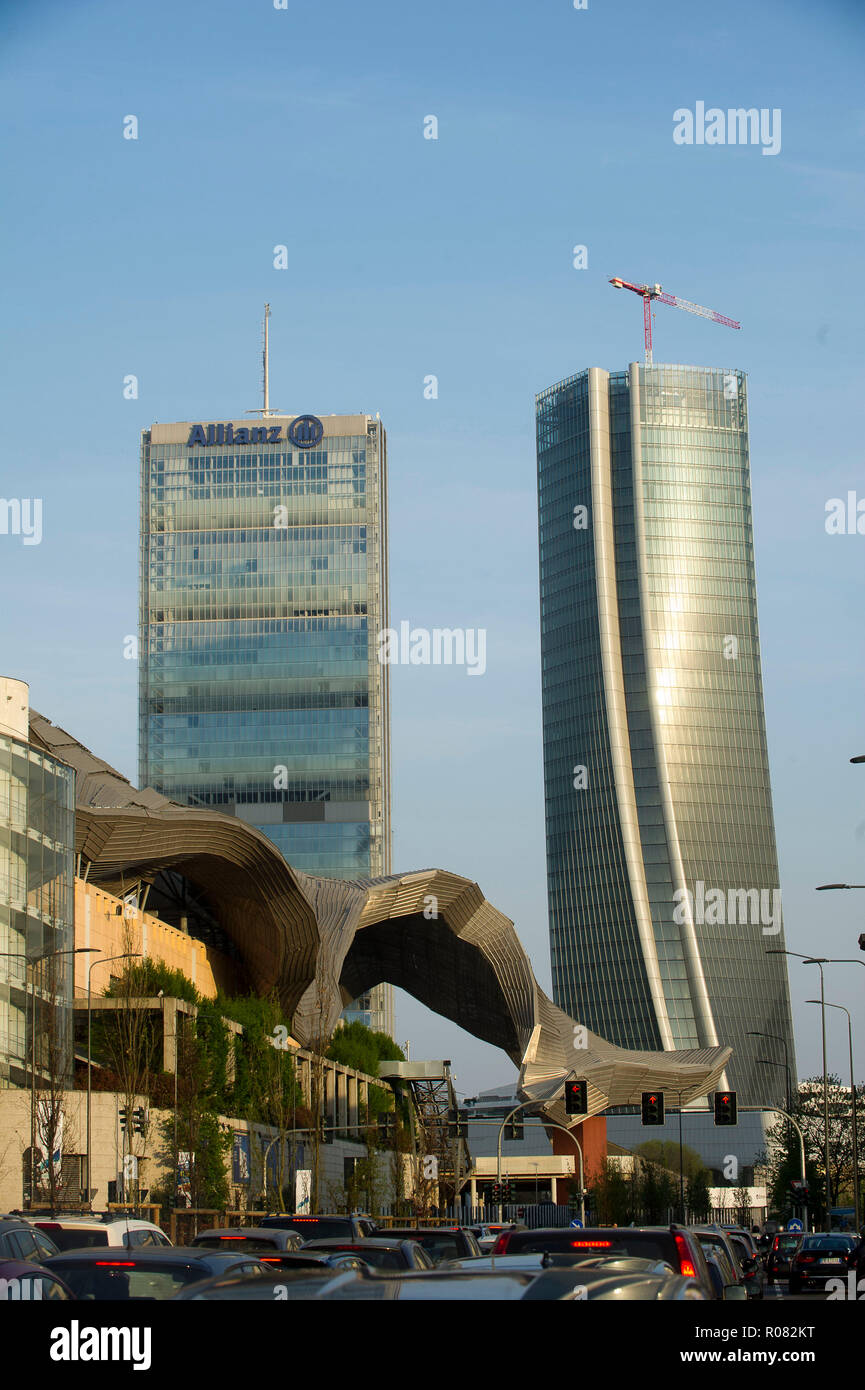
x,y
98,923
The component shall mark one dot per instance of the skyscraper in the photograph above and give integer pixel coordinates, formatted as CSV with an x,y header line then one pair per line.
x,y
661,859
263,589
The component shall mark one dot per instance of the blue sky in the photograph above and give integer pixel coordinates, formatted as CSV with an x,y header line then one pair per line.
x,y
409,257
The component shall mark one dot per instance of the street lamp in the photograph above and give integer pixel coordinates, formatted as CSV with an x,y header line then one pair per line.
x,y
853,1099
819,961
105,960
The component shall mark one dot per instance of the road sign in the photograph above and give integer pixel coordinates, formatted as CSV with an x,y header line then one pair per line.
x,y
794,1225
578,1224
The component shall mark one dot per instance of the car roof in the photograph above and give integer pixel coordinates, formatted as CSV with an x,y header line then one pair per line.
x,y
340,1242
174,1254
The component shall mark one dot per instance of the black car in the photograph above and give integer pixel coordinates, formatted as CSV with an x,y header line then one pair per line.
x,y
780,1254
102,1275
379,1252
260,1240
19,1240
440,1242
324,1227
820,1258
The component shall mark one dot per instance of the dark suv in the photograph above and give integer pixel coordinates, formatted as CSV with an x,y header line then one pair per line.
x,y
675,1245
324,1227
441,1242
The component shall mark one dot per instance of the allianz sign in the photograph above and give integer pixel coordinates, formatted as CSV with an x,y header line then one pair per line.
x,y
304,432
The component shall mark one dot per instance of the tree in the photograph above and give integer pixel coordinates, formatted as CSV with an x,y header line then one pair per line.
x,y
699,1197
355,1045
665,1153
53,1053
784,1159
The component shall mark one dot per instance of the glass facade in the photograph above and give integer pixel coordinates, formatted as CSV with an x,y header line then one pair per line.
x,y
661,858
37,838
263,588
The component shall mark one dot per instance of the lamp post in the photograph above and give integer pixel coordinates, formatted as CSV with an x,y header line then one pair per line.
x,y
819,961
105,960
853,1101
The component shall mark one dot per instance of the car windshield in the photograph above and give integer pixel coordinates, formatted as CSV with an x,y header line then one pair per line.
x,y
124,1280
72,1238
620,1242
839,1244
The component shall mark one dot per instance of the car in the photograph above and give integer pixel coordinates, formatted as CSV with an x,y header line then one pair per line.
x,y
282,1287
564,1283
103,1275
725,1275
821,1257
261,1240
487,1234
440,1242
324,1227
780,1255
20,1240
107,1229
676,1245
292,1261
380,1252
28,1282
749,1262
718,1241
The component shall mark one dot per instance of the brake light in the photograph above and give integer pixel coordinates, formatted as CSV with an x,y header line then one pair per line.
x,y
115,1264
686,1264
502,1243
591,1244
232,1237
47,1225
776,1243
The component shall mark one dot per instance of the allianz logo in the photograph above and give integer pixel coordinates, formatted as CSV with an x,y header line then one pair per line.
x,y
304,432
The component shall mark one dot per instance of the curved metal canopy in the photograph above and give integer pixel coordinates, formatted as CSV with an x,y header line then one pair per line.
x,y
322,942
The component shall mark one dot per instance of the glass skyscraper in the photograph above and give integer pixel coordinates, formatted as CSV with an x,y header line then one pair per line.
x,y
263,588
661,859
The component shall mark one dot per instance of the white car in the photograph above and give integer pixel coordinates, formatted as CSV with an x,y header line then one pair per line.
x,y
113,1231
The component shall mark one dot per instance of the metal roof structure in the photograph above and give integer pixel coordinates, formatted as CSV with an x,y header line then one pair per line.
x,y
322,942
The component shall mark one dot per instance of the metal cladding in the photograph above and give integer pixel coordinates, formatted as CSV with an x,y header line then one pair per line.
x,y
322,942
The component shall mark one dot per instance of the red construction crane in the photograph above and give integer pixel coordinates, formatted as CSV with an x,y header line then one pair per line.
x,y
650,292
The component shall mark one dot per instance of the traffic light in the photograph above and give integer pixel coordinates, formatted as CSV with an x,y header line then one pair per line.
x,y
324,1134
576,1098
652,1108
726,1112
799,1192
496,1193
122,1115
138,1120
458,1124
515,1129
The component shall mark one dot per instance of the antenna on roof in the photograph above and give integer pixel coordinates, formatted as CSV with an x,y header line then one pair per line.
x,y
265,370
